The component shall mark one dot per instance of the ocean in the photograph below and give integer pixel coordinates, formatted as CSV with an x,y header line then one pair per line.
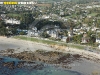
x,y
36,68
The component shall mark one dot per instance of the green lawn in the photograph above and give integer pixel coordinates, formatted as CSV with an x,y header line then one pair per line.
x,y
93,14
49,42
67,17
13,14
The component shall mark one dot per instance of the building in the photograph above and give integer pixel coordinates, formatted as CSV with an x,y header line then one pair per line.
x,y
52,33
98,36
12,21
45,16
64,39
99,46
34,32
85,38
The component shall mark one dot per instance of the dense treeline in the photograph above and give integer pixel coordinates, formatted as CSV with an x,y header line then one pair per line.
x,y
44,22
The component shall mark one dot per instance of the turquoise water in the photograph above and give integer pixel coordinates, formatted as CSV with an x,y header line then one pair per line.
x,y
29,70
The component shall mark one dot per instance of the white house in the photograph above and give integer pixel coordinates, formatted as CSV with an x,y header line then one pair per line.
x,y
99,46
33,32
96,6
89,7
45,16
64,39
52,33
3,15
70,34
98,40
12,21
98,36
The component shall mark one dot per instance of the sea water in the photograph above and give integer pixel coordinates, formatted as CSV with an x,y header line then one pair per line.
x,y
29,70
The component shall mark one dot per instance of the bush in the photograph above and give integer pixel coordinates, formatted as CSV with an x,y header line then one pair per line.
x,y
77,38
22,33
45,35
3,31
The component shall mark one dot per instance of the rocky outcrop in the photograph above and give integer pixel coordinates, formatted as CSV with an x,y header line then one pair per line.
x,y
8,51
9,64
49,57
23,56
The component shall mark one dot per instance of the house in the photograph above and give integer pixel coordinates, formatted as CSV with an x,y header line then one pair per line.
x,y
52,33
45,16
33,32
61,13
94,28
96,6
76,29
99,46
89,7
97,40
70,33
97,36
64,38
85,38
12,21
3,16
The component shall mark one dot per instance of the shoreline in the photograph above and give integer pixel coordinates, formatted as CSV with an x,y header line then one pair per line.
x,y
16,46
65,49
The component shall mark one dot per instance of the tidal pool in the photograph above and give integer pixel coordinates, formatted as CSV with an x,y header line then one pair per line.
x,y
30,70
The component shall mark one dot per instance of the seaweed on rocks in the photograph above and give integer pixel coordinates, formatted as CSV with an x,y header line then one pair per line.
x,y
49,57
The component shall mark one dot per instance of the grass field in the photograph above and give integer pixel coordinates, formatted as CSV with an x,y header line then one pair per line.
x,y
10,14
49,42
93,14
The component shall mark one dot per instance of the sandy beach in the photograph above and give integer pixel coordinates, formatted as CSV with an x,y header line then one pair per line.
x,y
85,66
21,45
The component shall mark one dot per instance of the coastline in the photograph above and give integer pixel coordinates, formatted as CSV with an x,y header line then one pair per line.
x,y
33,46
21,45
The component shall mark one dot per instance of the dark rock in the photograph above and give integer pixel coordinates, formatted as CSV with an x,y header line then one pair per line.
x,y
10,65
51,57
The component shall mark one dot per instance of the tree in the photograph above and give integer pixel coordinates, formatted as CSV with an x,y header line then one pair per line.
x,y
92,37
3,31
77,38
45,35
71,24
26,19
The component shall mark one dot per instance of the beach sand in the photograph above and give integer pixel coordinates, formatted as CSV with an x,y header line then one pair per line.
x,y
84,66
21,45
